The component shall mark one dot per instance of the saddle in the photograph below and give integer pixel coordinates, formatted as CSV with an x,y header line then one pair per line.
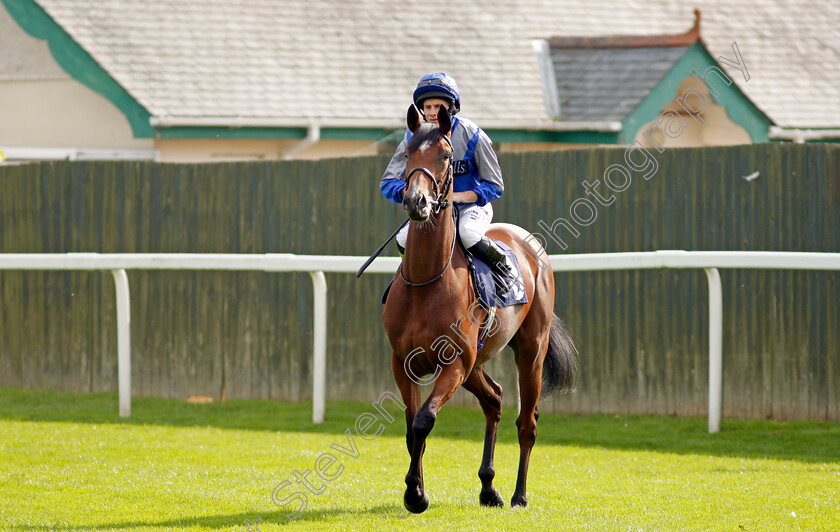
x,y
483,282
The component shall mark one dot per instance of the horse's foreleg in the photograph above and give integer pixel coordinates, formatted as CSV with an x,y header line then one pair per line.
x,y
529,391
410,391
415,498
489,394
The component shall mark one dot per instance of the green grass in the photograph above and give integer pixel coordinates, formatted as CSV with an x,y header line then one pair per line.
x,y
68,462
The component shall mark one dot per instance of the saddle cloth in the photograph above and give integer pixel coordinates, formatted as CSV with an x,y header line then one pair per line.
x,y
485,281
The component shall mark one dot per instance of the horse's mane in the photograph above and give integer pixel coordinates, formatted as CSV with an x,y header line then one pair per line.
x,y
426,135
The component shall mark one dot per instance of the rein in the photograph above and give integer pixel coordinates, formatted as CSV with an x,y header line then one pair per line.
x,y
439,204
455,214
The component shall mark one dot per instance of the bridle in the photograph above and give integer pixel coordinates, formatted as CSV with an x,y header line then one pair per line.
x,y
437,205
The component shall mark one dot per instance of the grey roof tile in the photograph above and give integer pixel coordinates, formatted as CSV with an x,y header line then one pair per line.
x,y
296,58
604,84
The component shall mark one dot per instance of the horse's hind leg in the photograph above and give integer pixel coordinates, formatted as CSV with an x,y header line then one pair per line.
x,y
489,395
530,377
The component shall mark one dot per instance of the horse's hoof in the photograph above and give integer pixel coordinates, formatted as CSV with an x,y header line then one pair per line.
x,y
519,500
491,498
414,505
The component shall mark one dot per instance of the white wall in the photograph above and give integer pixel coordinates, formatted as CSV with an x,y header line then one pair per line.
x,y
41,106
210,150
717,129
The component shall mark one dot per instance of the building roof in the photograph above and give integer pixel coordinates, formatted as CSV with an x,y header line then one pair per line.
x,y
359,61
605,84
605,78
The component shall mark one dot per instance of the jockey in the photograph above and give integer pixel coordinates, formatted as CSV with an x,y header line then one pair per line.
x,y
477,176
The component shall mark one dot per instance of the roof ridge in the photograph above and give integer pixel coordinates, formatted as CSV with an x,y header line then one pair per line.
x,y
632,41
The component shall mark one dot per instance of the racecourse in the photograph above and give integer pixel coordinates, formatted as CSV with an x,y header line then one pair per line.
x,y
68,462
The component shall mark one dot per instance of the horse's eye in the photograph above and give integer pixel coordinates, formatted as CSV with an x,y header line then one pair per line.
x,y
447,156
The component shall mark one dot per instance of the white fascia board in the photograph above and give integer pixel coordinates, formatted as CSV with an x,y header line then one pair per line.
x,y
227,121
802,135
76,154
549,82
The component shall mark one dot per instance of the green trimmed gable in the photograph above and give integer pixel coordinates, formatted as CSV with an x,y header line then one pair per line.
x,y
78,63
738,107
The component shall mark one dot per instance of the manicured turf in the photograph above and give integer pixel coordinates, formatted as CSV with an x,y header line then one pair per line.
x,y
68,462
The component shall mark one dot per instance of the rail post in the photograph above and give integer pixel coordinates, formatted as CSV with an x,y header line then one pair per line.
x,y
715,349
123,340
319,353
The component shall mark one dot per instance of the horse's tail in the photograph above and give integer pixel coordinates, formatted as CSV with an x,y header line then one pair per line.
x,y
560,365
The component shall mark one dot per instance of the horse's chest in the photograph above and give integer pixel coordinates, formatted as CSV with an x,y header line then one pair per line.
x,y
411,325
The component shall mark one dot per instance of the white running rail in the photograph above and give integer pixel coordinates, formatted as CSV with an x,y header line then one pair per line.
x,y
316,265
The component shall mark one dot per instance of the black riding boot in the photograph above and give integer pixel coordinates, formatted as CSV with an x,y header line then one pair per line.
x,y
400,249
489,251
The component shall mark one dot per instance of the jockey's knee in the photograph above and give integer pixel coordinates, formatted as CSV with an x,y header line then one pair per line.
x,y
402,236
473,224
470,238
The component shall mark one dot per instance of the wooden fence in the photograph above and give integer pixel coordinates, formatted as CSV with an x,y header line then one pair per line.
x,y
642,335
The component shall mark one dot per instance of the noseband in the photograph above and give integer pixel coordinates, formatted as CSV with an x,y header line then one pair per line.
x,y
438,204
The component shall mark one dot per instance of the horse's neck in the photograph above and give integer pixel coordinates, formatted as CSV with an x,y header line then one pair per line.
x,y
427,250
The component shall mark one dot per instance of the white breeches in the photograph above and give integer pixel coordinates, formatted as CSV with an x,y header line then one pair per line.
x,y
472,224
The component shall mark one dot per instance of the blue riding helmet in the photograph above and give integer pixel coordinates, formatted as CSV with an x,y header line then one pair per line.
x,y
438,85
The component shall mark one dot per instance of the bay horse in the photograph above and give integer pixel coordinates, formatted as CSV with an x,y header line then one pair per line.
x,y
432,320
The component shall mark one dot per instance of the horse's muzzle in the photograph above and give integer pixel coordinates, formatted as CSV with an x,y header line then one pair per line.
x,y
417,207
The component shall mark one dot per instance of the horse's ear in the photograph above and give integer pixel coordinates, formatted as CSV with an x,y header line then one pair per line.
x,y
444,120
412,118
